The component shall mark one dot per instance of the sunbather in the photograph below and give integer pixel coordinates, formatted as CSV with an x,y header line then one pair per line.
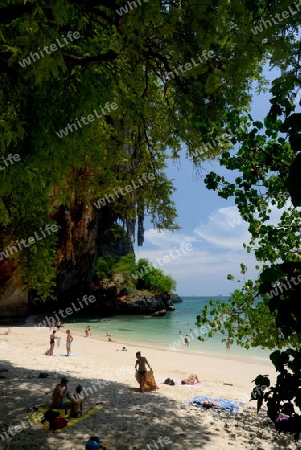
x,y
192,379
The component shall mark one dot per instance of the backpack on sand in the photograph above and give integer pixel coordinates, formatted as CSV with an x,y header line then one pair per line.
x,y
169,381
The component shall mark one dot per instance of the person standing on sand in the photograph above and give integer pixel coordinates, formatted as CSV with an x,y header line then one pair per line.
x,y
141,363
52,337
58,325
186,340
69,339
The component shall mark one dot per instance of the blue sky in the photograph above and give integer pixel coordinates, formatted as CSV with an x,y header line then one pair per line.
x,y
205,224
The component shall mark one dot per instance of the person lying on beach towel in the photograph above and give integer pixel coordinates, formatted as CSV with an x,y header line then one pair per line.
x,y
192,379
215,403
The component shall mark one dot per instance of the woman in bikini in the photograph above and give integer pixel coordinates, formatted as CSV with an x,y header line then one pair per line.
x,y
141,363
52,337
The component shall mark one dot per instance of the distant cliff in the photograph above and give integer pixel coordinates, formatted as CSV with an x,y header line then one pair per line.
x,y
112,300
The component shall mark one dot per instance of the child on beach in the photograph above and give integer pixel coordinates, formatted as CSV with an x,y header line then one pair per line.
x,y
87,331
69,340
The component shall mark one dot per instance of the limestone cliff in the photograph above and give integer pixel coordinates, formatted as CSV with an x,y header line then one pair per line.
x,y
84,235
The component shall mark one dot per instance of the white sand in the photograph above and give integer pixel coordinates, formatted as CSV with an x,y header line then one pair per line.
x,y
128,420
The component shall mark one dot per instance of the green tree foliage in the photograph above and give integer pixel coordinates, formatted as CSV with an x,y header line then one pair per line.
x,y
126,265
153,279
140,275
122,59
103,268
267,312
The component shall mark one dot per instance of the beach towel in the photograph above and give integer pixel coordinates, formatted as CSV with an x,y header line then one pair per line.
x,y
150,384
72,421
178,383
217,404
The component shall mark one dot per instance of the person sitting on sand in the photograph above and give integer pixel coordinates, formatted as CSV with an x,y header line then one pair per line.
x,y
59,394
192,379
5,333
77,402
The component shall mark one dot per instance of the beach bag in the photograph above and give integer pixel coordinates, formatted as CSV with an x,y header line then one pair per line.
x,y
47,352
43,375
58,423
167,381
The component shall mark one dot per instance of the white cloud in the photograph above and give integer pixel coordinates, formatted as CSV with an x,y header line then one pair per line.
x,y
167,239
217,250
219,231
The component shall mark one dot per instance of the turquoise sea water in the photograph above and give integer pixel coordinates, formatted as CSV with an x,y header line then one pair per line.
x,y
165,331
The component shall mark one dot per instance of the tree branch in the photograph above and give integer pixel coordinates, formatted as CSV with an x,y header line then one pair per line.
x,y
86,61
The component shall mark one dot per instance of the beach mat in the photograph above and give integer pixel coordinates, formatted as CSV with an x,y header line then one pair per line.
x,y
150,384
71,354
72,421
217,404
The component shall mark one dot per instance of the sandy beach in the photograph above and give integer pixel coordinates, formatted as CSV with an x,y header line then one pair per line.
x,y
126,419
